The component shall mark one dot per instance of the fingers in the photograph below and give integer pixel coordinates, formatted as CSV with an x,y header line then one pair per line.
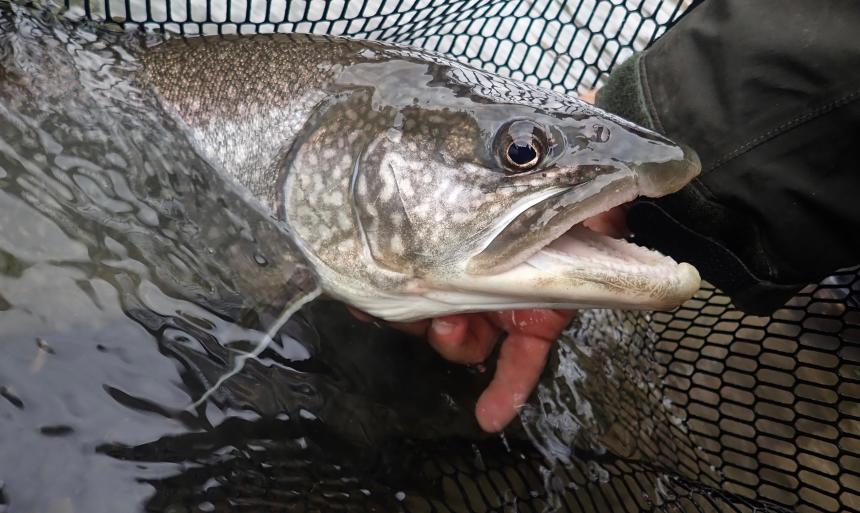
x,y
469,338
521,361
465,338
545,324
589,96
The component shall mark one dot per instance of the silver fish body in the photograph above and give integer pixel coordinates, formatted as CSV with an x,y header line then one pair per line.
x,y
390,167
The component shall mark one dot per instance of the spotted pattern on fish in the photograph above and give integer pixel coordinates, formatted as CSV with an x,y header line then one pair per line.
x,y
387,165
247,139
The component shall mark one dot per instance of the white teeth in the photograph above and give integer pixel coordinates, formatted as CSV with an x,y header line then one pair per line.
x,y
582,247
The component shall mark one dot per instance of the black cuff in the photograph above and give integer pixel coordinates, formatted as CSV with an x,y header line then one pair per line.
x,y
655,228
623,94
774,120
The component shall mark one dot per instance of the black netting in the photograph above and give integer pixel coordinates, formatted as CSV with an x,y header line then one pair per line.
x,y
565,45
701,409
708,409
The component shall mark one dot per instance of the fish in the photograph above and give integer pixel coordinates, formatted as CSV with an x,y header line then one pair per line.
x,y
415,185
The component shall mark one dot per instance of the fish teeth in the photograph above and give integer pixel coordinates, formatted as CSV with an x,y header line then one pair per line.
x,y
583,247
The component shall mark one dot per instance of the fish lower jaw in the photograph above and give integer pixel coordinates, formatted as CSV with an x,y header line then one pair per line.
x,y
586,269
580,269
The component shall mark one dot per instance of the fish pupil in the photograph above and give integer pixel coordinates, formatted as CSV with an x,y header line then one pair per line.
x,y
522,154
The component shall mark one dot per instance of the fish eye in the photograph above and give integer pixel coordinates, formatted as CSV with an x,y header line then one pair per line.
x,y
521,145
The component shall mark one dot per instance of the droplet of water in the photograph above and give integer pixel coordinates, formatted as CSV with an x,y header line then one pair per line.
x,y
479,368
10,395
505,441
261,260
479,459
596,473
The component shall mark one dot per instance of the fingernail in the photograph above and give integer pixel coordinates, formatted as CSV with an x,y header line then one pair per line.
x,y
519,400
442,327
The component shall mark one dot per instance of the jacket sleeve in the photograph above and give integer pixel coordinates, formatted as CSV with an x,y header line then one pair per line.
x,y
767,93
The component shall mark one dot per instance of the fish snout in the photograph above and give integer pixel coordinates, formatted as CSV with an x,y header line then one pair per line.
x,y
669,174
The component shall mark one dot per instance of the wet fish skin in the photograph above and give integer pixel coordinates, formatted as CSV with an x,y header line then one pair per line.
x,y
384,163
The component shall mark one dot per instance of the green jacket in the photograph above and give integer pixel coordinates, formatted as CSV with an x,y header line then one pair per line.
x,y
766,91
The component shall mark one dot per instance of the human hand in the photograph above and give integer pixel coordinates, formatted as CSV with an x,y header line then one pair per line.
x,y
470,338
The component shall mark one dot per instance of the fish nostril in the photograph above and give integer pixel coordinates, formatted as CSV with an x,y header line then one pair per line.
x,y
601,134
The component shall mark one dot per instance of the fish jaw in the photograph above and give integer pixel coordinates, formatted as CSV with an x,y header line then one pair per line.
x,y
582,269
585,269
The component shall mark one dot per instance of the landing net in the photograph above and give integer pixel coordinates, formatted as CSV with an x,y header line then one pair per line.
x,y
752,413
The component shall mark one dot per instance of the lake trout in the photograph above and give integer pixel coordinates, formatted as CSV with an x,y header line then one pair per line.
x,y
417,186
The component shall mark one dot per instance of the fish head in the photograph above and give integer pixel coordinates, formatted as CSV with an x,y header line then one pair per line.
x,y
437,194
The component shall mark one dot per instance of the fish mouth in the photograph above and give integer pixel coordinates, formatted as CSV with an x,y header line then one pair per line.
x,y
583,268
564,263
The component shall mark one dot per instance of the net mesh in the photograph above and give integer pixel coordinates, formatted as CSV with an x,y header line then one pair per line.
x,y
705,408
567,46
746,413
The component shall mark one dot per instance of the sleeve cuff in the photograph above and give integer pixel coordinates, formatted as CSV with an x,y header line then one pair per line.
x,y
623,95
